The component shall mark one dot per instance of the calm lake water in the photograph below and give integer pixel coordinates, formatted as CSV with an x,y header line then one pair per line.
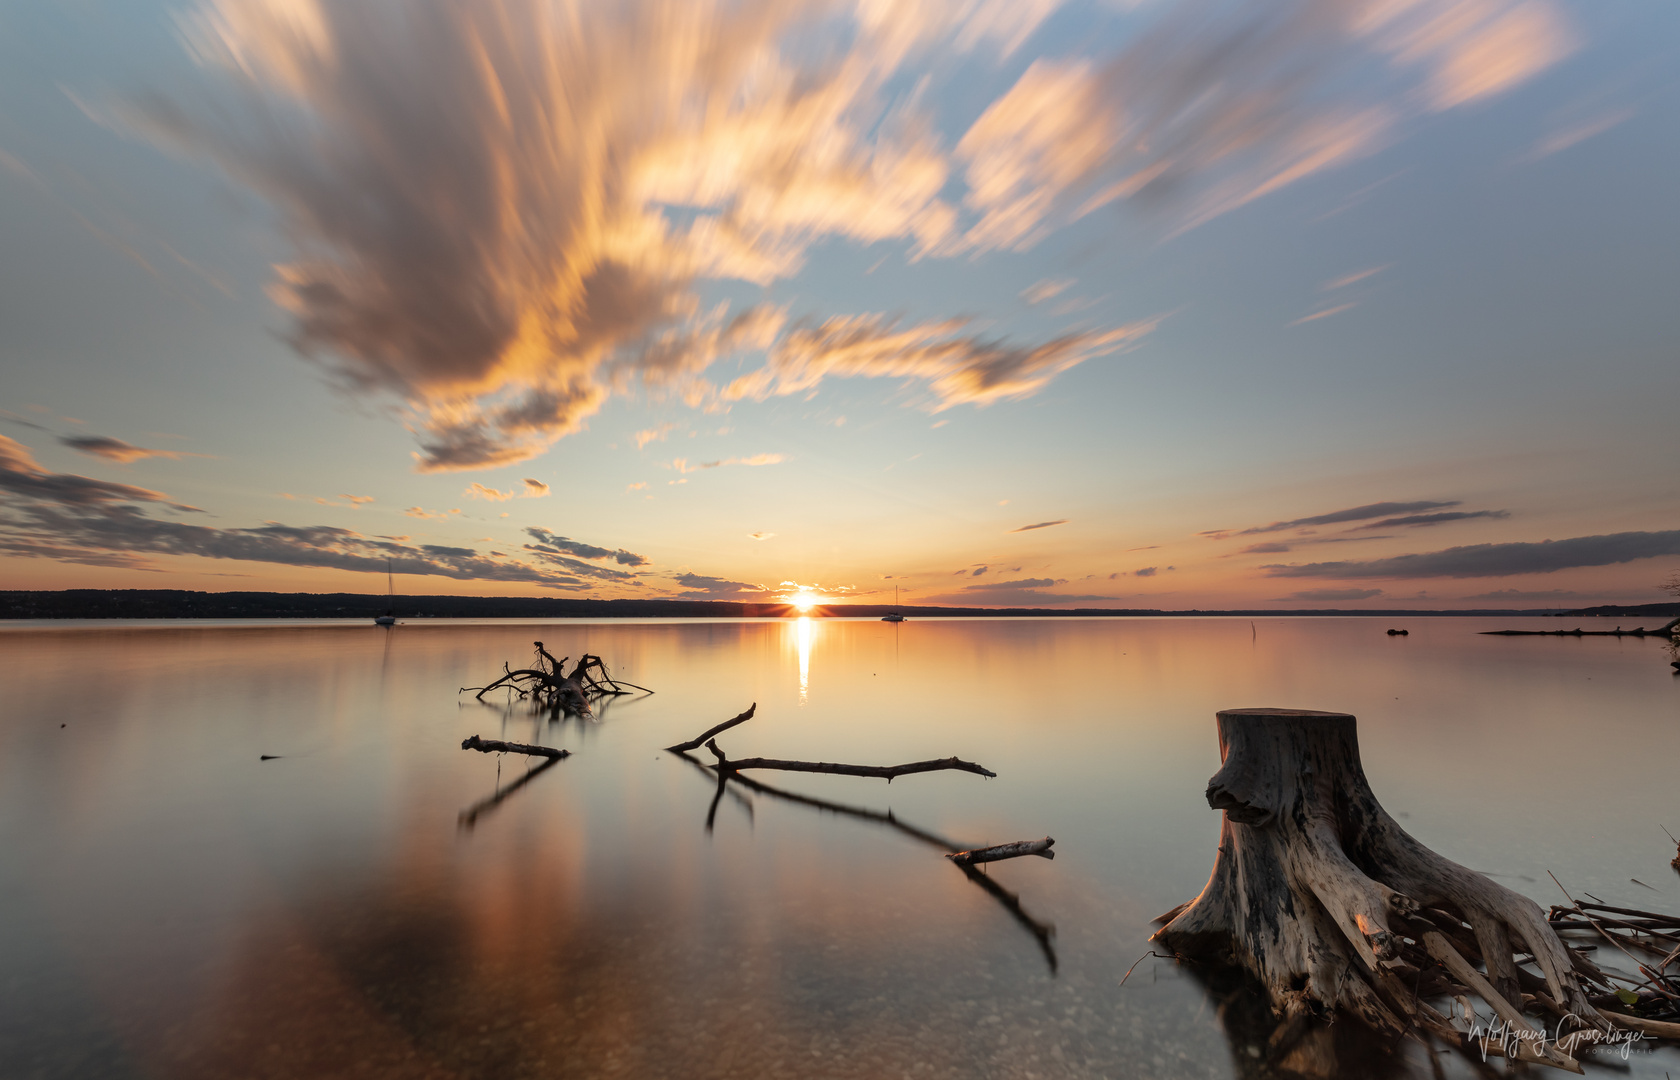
x,y
171,906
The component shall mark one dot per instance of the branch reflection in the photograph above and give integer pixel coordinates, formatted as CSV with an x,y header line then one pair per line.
x,y
1042,932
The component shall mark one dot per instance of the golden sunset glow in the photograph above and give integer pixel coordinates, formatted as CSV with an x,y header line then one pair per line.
x,y
871,303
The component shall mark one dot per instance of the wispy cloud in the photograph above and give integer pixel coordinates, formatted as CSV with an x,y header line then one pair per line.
x,y
1351,279
956,368
1499,560
700,586
75,519
654,434
533,489
1017,592
1556,597
1333,594
1041,525
431,515
551,544
1338,517
110,449
1425,520
761,535
1567,136
683,465
354,502
1043,290
1325,314
1219,104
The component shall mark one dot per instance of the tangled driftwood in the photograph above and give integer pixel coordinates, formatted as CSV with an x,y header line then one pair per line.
x,y
549,685
1319,893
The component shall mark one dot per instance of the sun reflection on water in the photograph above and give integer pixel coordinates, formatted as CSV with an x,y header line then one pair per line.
x,y
804,633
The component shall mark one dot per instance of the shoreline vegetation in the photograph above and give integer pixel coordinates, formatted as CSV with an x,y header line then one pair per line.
x,y
183,604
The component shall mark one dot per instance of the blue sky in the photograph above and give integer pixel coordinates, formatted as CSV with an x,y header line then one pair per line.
x,y
730,296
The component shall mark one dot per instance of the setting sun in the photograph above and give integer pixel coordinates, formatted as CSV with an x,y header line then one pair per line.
x,y
804,601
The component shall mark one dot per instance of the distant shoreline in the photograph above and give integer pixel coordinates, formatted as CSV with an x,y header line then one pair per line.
x,y
183,604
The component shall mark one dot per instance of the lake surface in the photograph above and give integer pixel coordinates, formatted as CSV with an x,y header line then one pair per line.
x,y
173,906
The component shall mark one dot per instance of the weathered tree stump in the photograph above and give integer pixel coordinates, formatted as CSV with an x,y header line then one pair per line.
x,y
1320,894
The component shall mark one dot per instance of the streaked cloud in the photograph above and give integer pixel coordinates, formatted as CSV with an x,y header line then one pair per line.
x,y
1565,137
1338,517
551,544
654,434
354,502
1041,525
110,449
431,515
1333,594
1264,549
1351,279
955,368
1046,289
1147,571
1018,592
1325,314
1554,597
761,535
1218,104
533,489
1425,520
683,465
21,474
549,183
701,587
70,518
1499,560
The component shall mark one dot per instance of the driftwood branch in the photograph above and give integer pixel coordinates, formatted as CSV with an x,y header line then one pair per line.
x,y
1531,1048
1638,631
1042,932
884,772
700,740
999,852
497,746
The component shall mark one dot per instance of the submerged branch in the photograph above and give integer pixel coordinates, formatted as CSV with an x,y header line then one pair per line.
x,y
885,772
998,852
497,746
700,740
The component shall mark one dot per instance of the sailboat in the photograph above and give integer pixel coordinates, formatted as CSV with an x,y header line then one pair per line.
x,y
389,618
893,616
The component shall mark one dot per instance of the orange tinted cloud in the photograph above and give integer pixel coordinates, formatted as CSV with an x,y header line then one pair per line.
x,y
956,368
1217,105
548,183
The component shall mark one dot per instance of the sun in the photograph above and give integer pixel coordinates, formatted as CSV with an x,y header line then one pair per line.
x,y
804,600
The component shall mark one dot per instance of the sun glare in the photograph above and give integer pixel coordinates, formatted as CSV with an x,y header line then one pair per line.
x,y
804,601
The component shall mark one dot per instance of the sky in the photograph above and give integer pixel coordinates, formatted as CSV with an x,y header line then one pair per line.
x,y
1162,304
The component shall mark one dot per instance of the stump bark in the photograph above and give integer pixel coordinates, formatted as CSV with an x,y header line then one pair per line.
x,y
1320,894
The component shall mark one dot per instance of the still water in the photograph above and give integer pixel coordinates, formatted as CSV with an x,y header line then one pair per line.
x,y
172,906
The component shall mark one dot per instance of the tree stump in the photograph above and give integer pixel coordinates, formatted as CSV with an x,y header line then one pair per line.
x,y
1320,894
